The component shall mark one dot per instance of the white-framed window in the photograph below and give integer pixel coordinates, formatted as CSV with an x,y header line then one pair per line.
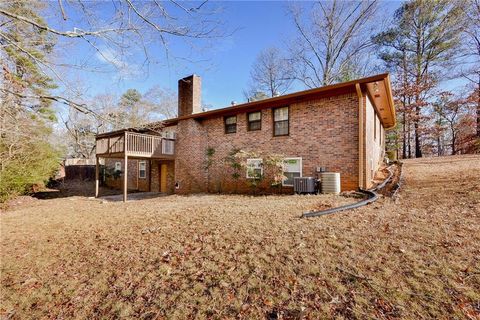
x,y
168,146
254,120
292,167
230,124
118,166
254,168
280,121
142,169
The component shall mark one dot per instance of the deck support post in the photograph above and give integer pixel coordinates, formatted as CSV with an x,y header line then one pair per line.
x,y
125,179
97,175
125,171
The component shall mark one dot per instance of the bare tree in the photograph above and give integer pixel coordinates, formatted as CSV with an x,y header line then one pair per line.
x,y
271,73
162,102
253,94
81,128
450,109
332,40
81,135
37,39
131,110
471,68
116,33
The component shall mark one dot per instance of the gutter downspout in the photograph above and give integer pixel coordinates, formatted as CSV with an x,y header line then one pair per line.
x,y
361,157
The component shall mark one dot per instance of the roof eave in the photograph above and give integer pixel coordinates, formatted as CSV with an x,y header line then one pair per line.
x,y
391,103
279,99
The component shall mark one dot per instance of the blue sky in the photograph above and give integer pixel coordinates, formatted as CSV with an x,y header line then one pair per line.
x,y
224,64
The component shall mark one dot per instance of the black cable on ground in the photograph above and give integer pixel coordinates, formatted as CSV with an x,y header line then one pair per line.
x,y
372,197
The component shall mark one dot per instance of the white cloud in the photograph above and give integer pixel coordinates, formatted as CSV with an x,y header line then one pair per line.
x,y
122,67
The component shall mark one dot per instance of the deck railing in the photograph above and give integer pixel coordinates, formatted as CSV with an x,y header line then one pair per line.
x,y
137,145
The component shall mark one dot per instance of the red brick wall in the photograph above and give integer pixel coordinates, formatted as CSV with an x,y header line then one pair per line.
x,y
134,182
323,132
189,95
190,148
155,176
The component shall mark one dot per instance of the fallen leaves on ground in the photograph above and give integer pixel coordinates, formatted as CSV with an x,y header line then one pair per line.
x,y
229,256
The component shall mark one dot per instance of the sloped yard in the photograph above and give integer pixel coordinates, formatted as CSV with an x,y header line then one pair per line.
x,y
213,256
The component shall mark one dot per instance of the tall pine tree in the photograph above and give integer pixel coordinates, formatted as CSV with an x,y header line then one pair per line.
x,y
422,42
26,155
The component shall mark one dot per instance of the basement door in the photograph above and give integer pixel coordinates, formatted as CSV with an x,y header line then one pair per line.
x,y
163,177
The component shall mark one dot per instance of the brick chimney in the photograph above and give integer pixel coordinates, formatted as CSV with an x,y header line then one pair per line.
x,y
189,95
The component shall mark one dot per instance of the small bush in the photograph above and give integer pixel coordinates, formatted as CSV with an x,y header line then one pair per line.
x,y
36,163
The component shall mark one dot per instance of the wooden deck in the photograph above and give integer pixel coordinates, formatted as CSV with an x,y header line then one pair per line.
x,y
131,145
135,145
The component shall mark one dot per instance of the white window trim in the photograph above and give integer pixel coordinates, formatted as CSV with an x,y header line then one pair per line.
x,y
261,167
301,169
118,166
139,170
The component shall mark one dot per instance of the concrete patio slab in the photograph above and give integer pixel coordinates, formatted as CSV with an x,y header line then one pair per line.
x,y
132,196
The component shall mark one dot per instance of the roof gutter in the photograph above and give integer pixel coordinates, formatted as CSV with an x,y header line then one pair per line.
x,y
386,81
280,99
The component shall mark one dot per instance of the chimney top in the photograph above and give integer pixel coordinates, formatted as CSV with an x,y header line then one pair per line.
x,y
189,95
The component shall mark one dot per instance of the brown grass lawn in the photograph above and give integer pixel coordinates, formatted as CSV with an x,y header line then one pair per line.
x,y
218,257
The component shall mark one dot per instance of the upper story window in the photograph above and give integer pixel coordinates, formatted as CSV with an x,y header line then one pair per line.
x,y
254,121
280,121
142,169
230,124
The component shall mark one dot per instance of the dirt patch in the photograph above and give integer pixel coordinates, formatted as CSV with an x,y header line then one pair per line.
x,y
219,256
72,188
55,190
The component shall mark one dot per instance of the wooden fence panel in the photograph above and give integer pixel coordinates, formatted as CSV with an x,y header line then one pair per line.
x,y
82,172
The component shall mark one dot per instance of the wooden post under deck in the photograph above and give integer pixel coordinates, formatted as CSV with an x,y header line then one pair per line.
x,y
125,171
97,174
125,179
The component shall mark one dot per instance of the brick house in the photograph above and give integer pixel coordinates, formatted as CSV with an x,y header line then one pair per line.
x,y
339,127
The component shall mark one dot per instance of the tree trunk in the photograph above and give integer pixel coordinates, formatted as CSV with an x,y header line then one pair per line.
x,y
478,107
404,100
454,140
418,149
439,146
418,81
454,150
404,149
409,142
